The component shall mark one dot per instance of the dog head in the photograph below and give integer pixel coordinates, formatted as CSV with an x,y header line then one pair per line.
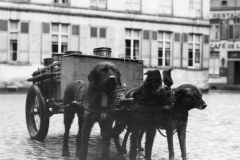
x,y
153,80
105,75
188,97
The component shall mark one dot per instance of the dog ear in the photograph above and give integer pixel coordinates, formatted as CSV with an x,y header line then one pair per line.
x,y
167,78
147,73
92,77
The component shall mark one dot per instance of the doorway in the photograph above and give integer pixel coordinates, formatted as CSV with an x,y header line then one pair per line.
x,y
234,72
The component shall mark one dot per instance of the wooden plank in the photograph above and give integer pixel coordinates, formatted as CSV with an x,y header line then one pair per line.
x,y
41,77
46,68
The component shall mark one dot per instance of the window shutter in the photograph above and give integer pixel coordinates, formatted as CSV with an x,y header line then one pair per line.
x,y
3,25
177,37
24,27
224,29
102,32
75,29
93,32
146,35
154,35
206,39
46,28
185,37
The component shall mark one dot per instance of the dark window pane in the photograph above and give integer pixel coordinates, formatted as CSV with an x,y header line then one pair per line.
x,y
128,43
128,53
13,47
55,48
190,58
93,31
160,53
102,32
160,62
128,48
64,48
230,32
167,62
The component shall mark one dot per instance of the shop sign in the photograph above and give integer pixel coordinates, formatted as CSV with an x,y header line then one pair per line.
x,y
220,45
225,15
234,55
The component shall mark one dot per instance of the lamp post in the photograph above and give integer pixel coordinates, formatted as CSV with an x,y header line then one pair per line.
x,y
223,62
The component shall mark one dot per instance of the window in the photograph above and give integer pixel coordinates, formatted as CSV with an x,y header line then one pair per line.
x,y
14,40
132,43
61,1
96,32
224,2
165,7
59,37
233,29
133,5
215,32
164,48
45,28
196,7
99,3
194,50
214,65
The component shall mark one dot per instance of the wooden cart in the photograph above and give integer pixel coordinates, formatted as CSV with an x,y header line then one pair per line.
x,y
45,96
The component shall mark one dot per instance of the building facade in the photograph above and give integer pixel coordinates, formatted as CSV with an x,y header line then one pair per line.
x,y
163,33
224,61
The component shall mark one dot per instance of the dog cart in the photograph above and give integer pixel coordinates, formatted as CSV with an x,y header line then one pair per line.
x,y
45,96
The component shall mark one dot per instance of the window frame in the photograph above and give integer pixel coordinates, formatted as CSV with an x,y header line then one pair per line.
x,y
60,34
98,4
164,6
132,38
193,6
214,59
164,41
17,32
60,3
194,43
131,8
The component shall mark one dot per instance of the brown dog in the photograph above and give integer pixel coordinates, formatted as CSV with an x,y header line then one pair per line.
x,y
97,98
186,97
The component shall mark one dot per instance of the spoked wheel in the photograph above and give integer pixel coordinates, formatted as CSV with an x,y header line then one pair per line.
x,y
37,113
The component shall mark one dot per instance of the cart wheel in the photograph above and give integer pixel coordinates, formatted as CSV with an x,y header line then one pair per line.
x,y
37,113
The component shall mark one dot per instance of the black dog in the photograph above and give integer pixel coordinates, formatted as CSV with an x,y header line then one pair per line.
x,y
125,122
147,100
97,98
186,97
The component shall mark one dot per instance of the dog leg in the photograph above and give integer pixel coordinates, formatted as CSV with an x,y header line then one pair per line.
x,y
88,123
140,136
182,140
150,134
117,130
133,145
80,124
106,137
124,143
69,113
170,144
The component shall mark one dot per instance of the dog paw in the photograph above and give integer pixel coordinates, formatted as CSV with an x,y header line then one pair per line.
x,y
65,153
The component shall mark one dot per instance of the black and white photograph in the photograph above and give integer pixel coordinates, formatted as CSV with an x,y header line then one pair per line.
x,y
119,79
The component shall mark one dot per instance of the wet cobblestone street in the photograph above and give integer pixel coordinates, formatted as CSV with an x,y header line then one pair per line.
x,y
212,134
